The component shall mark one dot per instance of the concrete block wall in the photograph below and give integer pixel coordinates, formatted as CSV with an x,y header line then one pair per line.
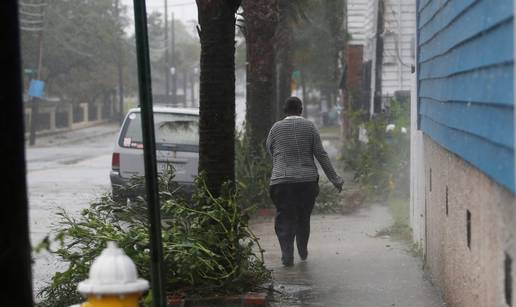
x,y
470,231
50,110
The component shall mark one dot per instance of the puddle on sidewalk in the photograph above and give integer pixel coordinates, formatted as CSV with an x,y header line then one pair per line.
x,y
293,296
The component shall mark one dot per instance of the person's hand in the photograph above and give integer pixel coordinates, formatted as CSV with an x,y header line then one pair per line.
x,y
339,185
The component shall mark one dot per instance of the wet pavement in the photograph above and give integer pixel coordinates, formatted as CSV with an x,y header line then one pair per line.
x,y
64,171
348,265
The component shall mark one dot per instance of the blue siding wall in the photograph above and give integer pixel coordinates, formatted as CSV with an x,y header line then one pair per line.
x,y
465,81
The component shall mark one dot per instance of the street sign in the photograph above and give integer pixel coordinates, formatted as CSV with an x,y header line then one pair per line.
x,y
36,88
29,71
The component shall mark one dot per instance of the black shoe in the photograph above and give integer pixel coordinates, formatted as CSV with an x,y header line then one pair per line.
x,y
287,261
303,255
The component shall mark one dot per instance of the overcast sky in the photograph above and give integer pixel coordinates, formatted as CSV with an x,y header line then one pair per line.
x,y
186,10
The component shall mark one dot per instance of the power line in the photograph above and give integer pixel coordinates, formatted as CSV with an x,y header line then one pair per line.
x,y
31,14
32,22
31,29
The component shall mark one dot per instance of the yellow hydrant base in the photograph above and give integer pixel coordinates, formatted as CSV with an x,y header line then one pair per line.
x,y
129,300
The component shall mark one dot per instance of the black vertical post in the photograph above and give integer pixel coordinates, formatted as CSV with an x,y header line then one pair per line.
x,y
149,152
15,260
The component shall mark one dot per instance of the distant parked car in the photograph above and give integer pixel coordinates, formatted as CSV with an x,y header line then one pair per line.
x,y
177,145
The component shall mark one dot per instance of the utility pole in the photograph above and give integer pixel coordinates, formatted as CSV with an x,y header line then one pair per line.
x,y
173,68
192,87
35,101
377,94
185,85
120,69
167,65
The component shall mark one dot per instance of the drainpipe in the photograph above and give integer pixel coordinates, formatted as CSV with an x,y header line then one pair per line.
x,y
399,47
376,64
373,62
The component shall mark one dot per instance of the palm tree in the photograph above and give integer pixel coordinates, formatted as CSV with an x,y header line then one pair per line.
x,y
217,91
289,13
261,19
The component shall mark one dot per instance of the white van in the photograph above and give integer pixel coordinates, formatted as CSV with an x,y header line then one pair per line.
x,y
177,145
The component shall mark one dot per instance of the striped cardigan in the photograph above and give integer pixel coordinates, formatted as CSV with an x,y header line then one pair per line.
x,y
293,142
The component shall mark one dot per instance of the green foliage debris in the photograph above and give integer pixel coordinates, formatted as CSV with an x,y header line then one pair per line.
x,y
208,247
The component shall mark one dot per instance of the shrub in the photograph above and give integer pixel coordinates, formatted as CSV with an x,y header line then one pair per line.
x,y
253,169
207,245
382,164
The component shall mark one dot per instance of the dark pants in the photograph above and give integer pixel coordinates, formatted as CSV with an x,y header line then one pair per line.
x,y
294,203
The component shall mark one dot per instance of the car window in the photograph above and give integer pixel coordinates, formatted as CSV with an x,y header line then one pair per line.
x,y
170,129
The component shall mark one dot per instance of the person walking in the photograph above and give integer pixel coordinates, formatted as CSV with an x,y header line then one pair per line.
x,y
294,185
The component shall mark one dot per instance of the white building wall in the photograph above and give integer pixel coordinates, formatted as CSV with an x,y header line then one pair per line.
x,y
398,54
357,11
370,25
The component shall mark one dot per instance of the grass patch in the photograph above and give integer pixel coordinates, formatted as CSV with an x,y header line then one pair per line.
x,y
400,229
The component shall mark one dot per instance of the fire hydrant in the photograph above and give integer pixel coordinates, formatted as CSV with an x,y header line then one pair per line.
x,y
113,281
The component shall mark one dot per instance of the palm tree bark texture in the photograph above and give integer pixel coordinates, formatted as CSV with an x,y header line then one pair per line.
x,y
217,91
288,15
261,20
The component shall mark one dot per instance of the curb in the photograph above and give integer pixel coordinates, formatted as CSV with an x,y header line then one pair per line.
x,y
250,299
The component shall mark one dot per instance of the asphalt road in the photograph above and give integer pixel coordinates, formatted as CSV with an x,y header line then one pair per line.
x,y
68,175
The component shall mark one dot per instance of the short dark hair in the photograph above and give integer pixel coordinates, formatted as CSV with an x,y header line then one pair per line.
x,y
293,106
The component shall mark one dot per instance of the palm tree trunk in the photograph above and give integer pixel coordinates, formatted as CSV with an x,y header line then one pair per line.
x,y
260,26
217,91
283,48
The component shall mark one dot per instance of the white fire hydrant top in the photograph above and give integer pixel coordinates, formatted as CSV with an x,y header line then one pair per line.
x,y
113,272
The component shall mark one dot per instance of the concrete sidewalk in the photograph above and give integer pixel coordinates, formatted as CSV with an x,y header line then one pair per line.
x,y
75,136
348,266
